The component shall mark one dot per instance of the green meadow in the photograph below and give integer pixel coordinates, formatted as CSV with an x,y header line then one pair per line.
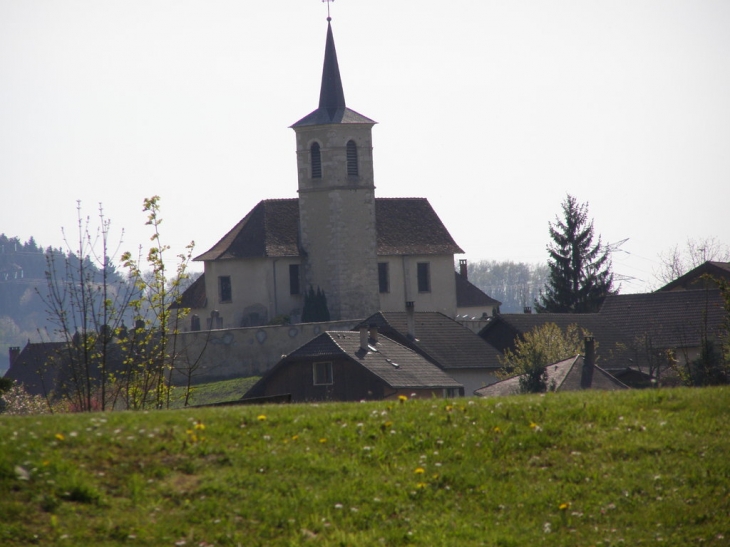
x,y
577,469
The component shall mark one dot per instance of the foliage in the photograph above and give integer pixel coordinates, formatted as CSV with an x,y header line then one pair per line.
x,y
568,469
15,401
151,355
539,348
677,261
580,272
315,307
515,284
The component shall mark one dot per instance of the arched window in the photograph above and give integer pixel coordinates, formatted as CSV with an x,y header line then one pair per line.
x,y
352,159
316,161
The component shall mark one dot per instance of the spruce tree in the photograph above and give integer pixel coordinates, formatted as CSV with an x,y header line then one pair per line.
x,y
580,272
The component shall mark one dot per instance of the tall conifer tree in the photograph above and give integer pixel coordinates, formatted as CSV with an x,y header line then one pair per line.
x,y
580,272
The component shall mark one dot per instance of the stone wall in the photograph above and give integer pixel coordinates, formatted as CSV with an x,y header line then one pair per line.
x,y
222,354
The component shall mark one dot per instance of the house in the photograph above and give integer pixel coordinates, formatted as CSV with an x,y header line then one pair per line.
x,y
365,253
36,366
354,366
640,337
572,374
472,304
446,343
696,278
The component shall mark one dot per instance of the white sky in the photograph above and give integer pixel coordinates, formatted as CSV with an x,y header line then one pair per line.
x,y
491,110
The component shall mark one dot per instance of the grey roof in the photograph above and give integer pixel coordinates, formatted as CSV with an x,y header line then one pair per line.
x,y
412,370
673,319
271,228
332,108
564,376
438,338
469,295
36,366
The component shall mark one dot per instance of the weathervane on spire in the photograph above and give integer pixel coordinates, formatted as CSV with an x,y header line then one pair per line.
x,y
328,9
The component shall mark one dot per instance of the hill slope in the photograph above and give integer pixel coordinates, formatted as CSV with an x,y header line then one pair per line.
x,y
561,469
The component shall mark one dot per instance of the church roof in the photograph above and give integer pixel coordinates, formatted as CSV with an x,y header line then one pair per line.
x,y
332,108
271,229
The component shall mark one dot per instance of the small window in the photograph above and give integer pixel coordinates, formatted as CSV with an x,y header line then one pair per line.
x,y
224,288
352,170
316,161
322,373
293,278
383,281
424,277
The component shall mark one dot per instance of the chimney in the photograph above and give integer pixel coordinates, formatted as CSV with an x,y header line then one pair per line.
x,y
527,309
364,338
411,319
374,333
589,361
462,268
13,353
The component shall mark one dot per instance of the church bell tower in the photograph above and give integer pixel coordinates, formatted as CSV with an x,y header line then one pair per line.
x,y
337,230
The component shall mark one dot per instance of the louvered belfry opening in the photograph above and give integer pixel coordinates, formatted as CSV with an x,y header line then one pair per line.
x,y
316,161
352,159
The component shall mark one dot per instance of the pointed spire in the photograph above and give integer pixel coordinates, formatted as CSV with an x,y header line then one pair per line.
x,y
331,95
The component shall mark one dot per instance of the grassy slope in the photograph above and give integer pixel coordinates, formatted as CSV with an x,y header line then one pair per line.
x,y
215,392
562,469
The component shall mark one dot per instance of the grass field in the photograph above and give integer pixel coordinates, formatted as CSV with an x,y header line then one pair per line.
x,y
214,392
573,469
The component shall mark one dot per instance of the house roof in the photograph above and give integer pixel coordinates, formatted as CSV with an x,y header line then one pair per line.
x,y
412,370
564,376
271,229
332,108
502,330
692,279
438,338
469,295
673,319
194,296
32,367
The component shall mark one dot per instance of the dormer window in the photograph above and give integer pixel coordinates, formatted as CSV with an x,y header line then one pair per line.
x,y
352,159
315,159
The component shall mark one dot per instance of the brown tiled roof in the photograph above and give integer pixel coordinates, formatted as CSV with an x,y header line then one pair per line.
x,y
693,279
412,370
563,376
469,295
194,296
271,228
673,319
439,338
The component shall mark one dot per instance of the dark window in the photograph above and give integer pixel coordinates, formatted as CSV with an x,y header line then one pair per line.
x,y
293,278
316,160
352,159
383,281
322,373
424,277
224,288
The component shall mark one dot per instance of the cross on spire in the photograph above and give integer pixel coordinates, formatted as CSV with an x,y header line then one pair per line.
x,y
328,9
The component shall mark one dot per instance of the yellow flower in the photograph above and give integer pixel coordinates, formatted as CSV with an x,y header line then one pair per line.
x,y
449,408
323,440
402,398
563,506
199,425
421,485
59,436
294,437
261,418
533,425
419,471
497,429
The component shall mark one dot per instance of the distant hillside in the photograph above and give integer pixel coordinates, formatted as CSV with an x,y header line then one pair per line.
x,y
568,469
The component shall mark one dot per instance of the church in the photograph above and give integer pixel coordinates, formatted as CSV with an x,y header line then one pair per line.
x,y
365,254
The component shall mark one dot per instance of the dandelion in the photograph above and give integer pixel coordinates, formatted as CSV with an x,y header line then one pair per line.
x,y
402,398
497,429
261,418
322,440
199,425
563,506
533,425
60,437
421,485
294,437
419,471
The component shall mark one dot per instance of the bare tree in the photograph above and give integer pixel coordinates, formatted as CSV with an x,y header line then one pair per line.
x,y
678,260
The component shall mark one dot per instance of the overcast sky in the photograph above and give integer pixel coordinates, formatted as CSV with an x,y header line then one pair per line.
x,y
491,110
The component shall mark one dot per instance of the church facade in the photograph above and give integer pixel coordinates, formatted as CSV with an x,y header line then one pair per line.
x,y
366,254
